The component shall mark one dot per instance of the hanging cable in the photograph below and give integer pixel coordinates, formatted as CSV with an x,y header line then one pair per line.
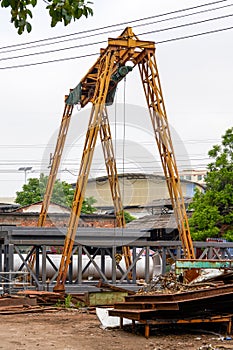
x,y
123,144
117,24
96,54
187,24
115,141
16,48
103,41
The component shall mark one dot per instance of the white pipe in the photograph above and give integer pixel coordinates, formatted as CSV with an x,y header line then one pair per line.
x,y
155,266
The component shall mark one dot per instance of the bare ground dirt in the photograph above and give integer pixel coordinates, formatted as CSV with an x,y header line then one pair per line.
x,y
74,330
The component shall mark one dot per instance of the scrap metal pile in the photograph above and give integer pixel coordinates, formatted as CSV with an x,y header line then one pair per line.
x,y
168,301
170,283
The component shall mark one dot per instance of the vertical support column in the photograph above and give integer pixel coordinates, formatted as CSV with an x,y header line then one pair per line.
x,y
55,163
37,267
147,330
121,322
102,86
70,278
1,260
5,266
1,264
133,326
134,270
210,253
222,253
8,264
147,265
229,326
102,252
44,266
80,251
113,265
178,253
164,260
153,92
11,257
110,163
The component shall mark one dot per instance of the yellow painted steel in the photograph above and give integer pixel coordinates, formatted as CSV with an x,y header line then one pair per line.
x,y
110,162
53,170
55,163
102,85
95,86
152,88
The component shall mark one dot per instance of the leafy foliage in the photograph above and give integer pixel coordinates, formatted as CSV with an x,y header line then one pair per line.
x,y
128,217
87,207
213,210
63,194
59,11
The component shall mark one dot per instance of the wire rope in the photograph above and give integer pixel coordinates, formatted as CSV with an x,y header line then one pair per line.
x,y
103,41
117,24
96,54
109,31
124,136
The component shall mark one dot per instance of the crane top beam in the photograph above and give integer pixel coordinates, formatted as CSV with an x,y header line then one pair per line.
x,y
130,50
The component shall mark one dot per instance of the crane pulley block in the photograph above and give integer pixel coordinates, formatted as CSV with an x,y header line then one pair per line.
x,y
115,79
75,95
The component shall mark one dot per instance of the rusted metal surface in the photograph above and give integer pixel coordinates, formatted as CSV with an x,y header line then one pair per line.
x,y
17,301
44,297
22,309
137,315
184,296
147,306
10,304
227,319
210,304
109,286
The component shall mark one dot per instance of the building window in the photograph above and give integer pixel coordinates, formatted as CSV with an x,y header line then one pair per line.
x,y
199,177
188,177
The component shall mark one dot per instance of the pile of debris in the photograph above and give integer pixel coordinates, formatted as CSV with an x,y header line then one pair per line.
x,y
14,304
43,298
169,301
170,283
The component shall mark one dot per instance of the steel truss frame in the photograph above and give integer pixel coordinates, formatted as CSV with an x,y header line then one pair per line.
x,y
104,243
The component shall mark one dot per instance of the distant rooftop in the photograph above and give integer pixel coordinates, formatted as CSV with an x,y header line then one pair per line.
x,y
7,200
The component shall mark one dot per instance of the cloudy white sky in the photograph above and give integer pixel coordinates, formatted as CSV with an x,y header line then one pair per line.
x,y
196,75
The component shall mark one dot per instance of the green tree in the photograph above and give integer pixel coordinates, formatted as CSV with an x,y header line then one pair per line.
x,y
213,210
87,207
59,10
63,194
128,217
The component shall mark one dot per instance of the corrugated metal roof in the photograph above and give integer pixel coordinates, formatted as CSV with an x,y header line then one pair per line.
x,y
151,222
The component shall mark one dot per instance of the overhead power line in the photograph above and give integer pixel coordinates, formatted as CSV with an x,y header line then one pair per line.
x,y
52,51
95,54
40,145
50,61
101,42
107,32
115,25
186,24
194,35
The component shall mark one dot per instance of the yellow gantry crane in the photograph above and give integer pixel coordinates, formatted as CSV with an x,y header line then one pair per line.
x,y
98,86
